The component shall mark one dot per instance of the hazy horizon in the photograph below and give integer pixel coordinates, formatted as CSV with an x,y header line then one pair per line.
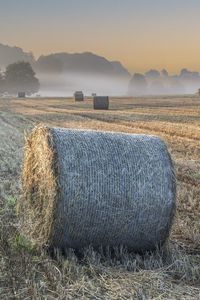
x,y
141,35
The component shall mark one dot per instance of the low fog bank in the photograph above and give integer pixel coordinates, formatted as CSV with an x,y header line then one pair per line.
x,y
150,83
61,74
64,85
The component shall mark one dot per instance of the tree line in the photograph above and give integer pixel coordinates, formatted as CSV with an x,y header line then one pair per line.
x,y
155,82
20,77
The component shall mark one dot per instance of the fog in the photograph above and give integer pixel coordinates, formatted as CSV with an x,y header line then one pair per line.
x,y
154,82
64,85
61,74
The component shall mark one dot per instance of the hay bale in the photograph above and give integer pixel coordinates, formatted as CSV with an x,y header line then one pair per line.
x,y
78,96
21,95
95,188
101,102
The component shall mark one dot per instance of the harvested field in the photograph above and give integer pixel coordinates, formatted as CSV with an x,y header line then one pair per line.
x,y
171,274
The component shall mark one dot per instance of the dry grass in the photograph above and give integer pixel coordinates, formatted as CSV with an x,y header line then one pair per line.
x,y
37,212
172,274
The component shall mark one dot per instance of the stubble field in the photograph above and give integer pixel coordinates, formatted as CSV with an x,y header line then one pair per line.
x,y
171,273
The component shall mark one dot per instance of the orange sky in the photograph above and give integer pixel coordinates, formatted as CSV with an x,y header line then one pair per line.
x,y
141,34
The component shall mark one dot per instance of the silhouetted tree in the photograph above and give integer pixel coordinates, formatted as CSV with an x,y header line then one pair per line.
x,y
154,74
185,74
164,73
138,85
20,77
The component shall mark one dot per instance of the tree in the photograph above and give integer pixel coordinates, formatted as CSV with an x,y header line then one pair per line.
x,y
185,74
152,74
164,73
20,77
189,75
138,85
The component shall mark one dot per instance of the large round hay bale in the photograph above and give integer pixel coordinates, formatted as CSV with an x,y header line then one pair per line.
x,y
101,102
96,188
21,95
79,96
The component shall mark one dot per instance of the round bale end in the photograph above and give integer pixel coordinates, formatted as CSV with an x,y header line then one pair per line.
x,y
37,203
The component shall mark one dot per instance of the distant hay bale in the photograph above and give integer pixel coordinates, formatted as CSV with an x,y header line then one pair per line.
x,y
96,188
78,96
21,95
101,102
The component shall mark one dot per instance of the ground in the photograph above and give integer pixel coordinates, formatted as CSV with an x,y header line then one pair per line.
x,y
170,273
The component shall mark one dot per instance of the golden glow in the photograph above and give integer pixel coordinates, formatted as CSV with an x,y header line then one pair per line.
x,y
141,34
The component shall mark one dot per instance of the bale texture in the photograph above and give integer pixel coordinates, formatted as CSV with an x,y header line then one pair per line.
x,y
78,96
21,95
101,102
96,188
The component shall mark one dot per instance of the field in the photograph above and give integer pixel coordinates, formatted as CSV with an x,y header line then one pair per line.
x,y
171,273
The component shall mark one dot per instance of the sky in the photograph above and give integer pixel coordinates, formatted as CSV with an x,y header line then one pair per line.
x,y
141,34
